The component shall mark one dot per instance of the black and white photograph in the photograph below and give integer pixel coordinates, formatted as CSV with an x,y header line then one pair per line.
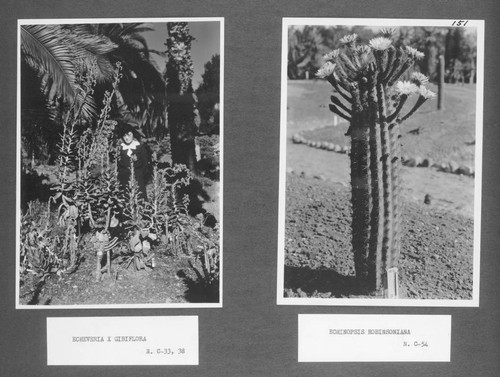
x,y
264,188
380,162
119,163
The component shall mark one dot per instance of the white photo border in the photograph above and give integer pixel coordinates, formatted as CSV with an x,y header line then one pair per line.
x,y
474,302
221,163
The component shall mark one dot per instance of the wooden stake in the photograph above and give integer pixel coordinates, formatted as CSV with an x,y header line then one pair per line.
x,y
392,283
440,102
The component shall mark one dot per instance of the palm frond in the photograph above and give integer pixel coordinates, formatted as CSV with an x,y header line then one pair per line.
x,y
139,42
132,28
45,49
54,50
90,46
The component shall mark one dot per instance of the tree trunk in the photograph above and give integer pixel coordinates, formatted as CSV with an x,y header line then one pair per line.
x,y
181,107
182,130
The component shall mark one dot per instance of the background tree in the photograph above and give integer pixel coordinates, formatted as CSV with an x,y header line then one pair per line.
x,y
430,40
303,46
52,57
39,133
141,97
180,96
460,55
458,45
209,97
307,45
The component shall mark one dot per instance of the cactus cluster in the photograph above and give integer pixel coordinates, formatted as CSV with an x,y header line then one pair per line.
x,y
370,95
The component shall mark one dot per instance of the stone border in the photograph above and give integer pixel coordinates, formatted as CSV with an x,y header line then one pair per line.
x,y
450,167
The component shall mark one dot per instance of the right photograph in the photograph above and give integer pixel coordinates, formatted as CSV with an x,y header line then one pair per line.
x,y
380,162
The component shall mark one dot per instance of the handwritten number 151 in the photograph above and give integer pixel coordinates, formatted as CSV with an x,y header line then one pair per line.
x,y
459,23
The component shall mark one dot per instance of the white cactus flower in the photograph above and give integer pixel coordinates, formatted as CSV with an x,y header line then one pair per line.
x,y
419,79
414,53
406,88
388,32
363,49
380,43
326,70
332,55
348,40
426,93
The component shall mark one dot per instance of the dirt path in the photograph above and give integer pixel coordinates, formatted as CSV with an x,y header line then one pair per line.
x,y
448,191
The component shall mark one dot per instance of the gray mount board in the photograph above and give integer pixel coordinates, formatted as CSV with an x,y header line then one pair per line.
x,y
251,335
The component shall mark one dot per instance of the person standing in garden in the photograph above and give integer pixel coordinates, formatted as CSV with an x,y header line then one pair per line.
x,y
133,153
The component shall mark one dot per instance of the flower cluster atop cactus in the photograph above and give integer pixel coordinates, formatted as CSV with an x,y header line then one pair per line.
x,y
351,66
370,94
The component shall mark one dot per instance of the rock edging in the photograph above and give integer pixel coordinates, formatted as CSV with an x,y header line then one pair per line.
x,y
416,161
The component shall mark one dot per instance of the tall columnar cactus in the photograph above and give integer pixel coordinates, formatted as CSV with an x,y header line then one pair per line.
x,y
371,97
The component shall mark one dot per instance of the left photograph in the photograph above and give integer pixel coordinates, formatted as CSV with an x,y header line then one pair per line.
x,y
119,163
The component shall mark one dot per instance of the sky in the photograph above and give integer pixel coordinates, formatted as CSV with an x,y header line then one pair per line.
x,y
205,45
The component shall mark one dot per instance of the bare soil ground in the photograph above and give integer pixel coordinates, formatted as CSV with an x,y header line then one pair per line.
x,y
437,252
436,256
169,282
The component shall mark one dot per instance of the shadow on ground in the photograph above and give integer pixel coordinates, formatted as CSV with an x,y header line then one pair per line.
x,y
306,282
199,290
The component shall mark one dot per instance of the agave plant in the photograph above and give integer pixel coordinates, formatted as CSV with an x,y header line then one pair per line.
x,y
140,243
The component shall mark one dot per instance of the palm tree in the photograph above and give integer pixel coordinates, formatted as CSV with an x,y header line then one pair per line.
x,y
142,94
54,53
52,60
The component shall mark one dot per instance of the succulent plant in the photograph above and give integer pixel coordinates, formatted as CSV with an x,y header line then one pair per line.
x,y
371,97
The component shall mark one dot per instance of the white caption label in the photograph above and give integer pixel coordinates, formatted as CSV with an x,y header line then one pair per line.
x,y
169,340
368,338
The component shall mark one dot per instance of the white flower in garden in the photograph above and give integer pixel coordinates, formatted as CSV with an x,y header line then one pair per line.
x,y
426,93
331,55
419,79
414,53
380,43
326,70
406,87
348,40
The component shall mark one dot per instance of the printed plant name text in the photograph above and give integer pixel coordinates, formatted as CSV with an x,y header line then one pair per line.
x,y
82,339
370,332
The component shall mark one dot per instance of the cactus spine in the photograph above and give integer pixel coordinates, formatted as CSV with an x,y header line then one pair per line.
x,y
369,96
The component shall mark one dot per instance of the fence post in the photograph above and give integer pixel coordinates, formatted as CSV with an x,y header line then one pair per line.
x,y
440,102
